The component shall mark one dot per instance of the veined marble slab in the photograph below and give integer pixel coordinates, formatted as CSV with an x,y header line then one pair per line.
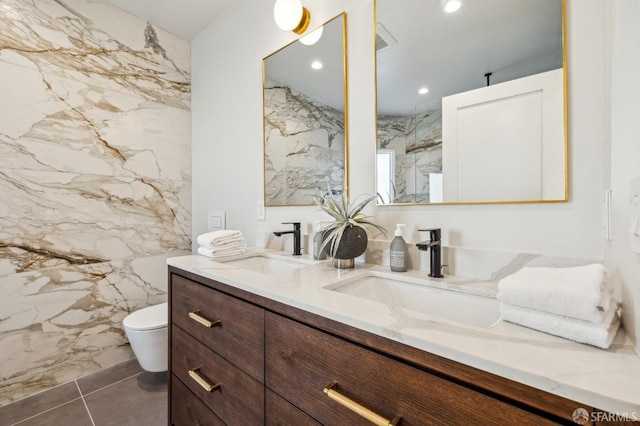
x,y
83,101
417,142
64,316
55,218
95,182
304,146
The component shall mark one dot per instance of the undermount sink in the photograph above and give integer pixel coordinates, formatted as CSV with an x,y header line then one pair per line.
x,y
453,305
266,263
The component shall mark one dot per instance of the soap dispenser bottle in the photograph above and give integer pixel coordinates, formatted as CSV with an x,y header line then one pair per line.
x,y
398,252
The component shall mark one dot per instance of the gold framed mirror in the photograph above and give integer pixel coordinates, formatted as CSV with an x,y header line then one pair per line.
x,y
471,105
305,117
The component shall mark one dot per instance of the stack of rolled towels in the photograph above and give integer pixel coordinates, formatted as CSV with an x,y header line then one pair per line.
x,y
574,303
221,243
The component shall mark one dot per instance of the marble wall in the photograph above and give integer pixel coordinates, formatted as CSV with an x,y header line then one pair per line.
x,y
95,183
417,142
304,146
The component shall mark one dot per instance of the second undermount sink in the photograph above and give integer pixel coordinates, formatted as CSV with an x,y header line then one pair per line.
x,y
418,296
266,263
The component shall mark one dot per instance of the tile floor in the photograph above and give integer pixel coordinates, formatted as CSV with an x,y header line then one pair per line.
x,y
121,395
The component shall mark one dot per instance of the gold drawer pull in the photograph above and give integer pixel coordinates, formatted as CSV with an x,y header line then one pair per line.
x,y
195,315
202,381
359,409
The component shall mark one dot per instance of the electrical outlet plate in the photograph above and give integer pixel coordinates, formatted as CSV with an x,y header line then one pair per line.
x,y
260,212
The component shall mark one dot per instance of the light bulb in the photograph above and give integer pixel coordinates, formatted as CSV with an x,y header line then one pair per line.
x,y
452,6
291,16
312,37
316,65
287,14
423,91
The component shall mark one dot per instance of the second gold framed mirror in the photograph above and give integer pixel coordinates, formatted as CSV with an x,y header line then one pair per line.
x,y
471,105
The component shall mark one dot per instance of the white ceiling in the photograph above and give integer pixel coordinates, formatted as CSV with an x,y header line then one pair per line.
x,y
450,53
184,18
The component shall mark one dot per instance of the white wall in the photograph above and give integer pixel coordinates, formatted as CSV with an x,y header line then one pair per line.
x,y
227,135
625,153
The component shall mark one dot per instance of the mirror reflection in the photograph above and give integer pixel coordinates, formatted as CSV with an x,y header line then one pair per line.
x,y
470,104
305,146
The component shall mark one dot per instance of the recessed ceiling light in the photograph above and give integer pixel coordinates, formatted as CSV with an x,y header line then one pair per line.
x,y
316,65
452,6
423,91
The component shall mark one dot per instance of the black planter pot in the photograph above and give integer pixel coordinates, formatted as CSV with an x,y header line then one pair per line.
x,y
352,244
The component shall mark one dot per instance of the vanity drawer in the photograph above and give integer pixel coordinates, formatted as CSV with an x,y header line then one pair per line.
x,y
187,409
302,361
238,398
237,327
281,413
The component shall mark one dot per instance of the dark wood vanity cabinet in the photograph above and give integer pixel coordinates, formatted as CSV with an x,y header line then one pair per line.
x,y
216,361
278,365
301,362
236,332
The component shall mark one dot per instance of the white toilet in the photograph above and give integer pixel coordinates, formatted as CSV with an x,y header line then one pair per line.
x,y
147,330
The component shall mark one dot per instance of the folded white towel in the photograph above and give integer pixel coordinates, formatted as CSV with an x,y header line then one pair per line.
x,y
222,242
231,252
226,247
208,252
578,292
596,334
217,237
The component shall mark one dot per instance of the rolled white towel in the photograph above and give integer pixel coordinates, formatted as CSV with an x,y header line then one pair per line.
x,y
217,237
208,252
596,334
577,292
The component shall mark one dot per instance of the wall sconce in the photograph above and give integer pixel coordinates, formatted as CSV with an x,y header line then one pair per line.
x,y
291,16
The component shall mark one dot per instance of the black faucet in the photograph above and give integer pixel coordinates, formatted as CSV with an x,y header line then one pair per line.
x,y
296,236
435,244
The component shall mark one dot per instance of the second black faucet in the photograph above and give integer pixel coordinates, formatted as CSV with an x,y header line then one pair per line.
x,y
435,244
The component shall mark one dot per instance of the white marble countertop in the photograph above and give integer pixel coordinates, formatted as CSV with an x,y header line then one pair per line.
x,y
605,379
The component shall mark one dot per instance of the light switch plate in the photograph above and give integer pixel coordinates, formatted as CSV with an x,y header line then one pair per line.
x,y
216,220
